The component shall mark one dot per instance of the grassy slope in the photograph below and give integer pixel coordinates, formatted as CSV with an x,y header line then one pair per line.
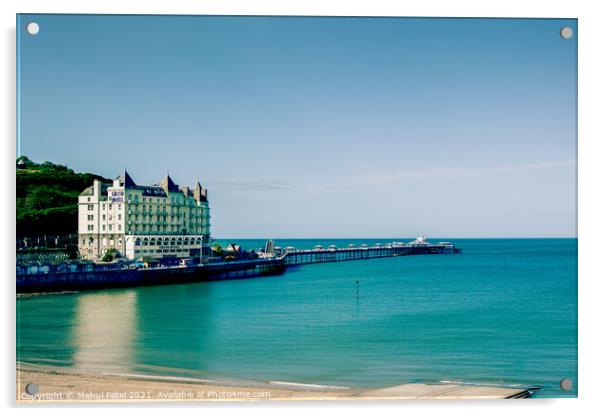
x,y
47,198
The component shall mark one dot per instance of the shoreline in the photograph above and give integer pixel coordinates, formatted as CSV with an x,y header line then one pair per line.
x,y
62,385
59,384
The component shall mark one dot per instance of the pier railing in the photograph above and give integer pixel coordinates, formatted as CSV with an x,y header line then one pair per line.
x,y
298,257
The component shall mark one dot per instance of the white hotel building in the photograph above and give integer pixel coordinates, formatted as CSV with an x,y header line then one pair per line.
x,y
143,221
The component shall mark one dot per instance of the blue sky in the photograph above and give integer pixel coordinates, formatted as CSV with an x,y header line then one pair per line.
x,y
317,127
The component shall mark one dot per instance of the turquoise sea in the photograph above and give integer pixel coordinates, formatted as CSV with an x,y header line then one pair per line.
x,y
502,312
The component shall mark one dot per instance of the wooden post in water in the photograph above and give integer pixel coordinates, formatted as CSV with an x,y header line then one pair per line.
x,y
357,289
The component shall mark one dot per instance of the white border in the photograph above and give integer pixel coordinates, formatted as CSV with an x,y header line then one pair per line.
x,y
590,189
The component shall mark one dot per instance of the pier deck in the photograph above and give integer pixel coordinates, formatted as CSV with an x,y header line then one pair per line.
x,y
298,257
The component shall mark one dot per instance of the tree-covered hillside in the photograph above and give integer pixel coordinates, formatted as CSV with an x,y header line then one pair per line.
x,y
47,197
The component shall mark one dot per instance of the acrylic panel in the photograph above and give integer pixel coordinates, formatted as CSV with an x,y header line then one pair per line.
x,y
268,208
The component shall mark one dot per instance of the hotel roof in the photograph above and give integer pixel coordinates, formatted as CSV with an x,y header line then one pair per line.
x,y
90,189
126,180
167,185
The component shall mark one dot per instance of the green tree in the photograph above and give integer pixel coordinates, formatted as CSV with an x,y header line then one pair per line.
x,y
110,255
217,249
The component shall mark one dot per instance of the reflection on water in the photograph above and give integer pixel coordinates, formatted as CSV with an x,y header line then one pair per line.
x,y
105,330
174,328
147,329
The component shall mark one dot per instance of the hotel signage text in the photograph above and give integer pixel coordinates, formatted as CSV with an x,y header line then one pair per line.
x,y
116,196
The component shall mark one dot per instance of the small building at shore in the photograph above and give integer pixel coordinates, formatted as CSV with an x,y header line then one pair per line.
x,y
137,221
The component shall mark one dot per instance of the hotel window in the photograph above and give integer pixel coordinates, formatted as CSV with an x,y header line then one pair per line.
x,y
90,227
104,217
119,217
104,227
103,207
90,207
119,227
110,227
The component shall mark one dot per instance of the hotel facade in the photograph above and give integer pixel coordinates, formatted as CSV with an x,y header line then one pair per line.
x,y
143,222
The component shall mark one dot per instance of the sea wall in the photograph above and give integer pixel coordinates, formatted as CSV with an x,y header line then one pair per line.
x,y
88,276
101,279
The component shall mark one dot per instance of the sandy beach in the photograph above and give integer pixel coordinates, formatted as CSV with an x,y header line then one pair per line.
x,y
59,385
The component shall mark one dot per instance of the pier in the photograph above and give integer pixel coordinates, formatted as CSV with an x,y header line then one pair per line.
x,y
90,276
331,254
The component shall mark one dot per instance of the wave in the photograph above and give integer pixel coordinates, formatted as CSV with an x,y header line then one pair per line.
x,y
163,378
305,385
